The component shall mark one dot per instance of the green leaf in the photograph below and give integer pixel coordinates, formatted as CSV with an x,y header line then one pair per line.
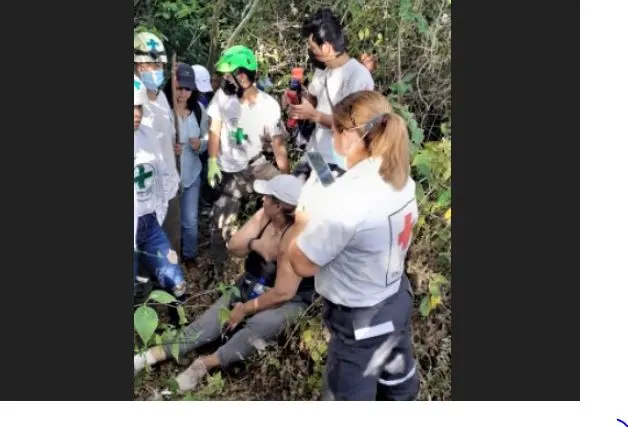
x,y
315,356
174,349
361,34
434,288
408,77
145,321
425,306
162,297
307,336
444,198
421,23
367,33
416,133
223,314
235,291
182,318
420,193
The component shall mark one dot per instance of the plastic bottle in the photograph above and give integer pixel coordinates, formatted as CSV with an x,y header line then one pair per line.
x,y
258,289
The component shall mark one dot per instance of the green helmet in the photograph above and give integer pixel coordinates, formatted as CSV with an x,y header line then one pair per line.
x,y
236,57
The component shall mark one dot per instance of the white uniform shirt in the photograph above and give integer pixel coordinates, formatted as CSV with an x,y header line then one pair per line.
x,y
312,195
151,175
359,235
243,126
158,116
341,82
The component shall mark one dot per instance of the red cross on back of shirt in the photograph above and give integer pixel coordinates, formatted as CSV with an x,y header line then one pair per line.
x,y
403,239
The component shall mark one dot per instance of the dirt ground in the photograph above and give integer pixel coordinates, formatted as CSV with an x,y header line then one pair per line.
x,y
291,370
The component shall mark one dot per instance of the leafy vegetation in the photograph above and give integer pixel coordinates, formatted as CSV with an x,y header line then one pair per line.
x,y
412,42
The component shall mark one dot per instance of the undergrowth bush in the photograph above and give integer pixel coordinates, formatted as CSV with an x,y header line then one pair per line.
x,y
412,42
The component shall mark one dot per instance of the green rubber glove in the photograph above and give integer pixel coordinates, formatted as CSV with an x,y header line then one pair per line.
x,y
213,172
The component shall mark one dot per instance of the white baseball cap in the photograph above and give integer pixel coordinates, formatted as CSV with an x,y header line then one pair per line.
x,y
203,79
286,188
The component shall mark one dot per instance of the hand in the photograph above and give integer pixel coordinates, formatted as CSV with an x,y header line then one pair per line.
x,y
237,314
213,172
177,149
303,111
195,143
369,61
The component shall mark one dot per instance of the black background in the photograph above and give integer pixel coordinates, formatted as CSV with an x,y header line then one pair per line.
x,y
66,302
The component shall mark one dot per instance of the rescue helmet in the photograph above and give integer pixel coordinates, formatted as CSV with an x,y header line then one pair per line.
x,y
236,57
147,47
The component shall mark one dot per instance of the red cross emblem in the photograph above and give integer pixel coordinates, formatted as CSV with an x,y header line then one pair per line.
x,y
403,239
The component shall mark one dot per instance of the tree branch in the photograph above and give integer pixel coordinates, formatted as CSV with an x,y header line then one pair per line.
x,y
241,24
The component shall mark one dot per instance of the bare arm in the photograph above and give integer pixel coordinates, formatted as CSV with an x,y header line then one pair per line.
x,y
299,262
323,119
239,243
214,138
281,154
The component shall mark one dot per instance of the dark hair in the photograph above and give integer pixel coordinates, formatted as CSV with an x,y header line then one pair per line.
x,y
249,74
324,27
192,100
287,210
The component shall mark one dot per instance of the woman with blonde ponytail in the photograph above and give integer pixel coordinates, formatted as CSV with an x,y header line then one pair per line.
x,y
355,243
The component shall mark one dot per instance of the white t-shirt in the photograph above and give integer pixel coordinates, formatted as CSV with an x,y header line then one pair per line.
x,y
341,82
243,126
151,176
159,117
359,235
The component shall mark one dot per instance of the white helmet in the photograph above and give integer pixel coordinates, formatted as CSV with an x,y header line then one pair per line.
x,y
139,92
148,47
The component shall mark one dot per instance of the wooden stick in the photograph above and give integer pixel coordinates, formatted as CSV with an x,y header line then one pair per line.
x,y
173,86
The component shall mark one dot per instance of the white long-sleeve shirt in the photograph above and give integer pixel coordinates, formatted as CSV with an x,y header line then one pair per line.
x,y
159,117
152,177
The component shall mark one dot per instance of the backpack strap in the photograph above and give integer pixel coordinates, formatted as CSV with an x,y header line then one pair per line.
x,y
198,113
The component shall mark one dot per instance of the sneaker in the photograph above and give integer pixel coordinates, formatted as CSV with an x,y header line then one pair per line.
x,y
189,379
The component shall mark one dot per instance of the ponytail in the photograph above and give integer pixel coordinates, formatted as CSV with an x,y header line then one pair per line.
x,y
391,144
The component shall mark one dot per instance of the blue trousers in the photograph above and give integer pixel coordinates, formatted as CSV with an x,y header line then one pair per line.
x,y
370,353
152,250
189,219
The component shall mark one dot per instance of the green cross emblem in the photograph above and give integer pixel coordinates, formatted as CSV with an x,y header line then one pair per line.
x,y
141,177
239,136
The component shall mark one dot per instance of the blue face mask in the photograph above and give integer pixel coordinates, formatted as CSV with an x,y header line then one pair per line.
x,y
152,79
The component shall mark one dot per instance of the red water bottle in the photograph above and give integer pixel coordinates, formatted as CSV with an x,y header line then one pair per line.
x,y
294,92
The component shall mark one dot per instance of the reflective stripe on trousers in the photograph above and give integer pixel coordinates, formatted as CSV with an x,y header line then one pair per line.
x,y
370,354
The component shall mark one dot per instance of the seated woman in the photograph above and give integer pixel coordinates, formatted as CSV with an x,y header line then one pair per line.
x,y
270,292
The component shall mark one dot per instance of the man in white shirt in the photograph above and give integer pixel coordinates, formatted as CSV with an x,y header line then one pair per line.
x,y
336,76
149,60
244,122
